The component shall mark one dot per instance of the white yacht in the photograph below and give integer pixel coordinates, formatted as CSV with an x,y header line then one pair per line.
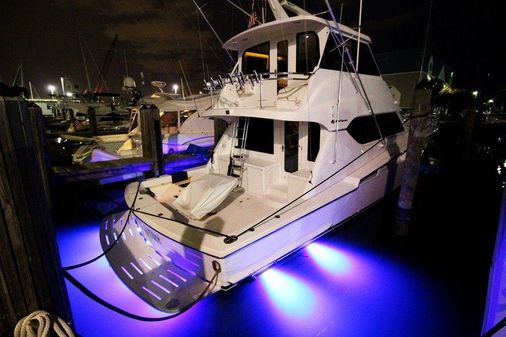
x,y
310,142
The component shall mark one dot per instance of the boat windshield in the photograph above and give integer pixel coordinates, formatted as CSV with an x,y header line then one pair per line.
x,y
332,57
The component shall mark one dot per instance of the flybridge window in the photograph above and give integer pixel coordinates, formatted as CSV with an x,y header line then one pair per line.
x,y
256,59
363,129
308,52
332,57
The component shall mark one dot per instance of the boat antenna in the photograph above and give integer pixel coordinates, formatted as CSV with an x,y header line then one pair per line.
x,y
185,78
359,32
243,11
341,11
427,30
214,31
340,41
201,49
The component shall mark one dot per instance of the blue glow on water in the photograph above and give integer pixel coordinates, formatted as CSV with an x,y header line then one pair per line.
x,y
290,295
327,289
330,259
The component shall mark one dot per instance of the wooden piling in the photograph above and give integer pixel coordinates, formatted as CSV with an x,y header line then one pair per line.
x,y
469,122
151,135
416,142
92,117
30,269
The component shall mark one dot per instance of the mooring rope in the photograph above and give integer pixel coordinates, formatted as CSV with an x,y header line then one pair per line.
x,y
41,324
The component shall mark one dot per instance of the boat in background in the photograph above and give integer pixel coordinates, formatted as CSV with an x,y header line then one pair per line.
x,y
194,131
311,141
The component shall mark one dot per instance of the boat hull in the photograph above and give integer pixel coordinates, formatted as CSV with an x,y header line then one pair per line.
x,y
147,243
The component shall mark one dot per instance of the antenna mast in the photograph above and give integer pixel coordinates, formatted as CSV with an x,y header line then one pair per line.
x,y
359,31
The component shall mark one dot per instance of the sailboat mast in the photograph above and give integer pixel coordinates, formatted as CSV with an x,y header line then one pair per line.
x,y
31,90
22,75
126,64
84,62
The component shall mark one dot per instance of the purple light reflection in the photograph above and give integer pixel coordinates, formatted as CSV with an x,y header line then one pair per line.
x,y
330,259
289,294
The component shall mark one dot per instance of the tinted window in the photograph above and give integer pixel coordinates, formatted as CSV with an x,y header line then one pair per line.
x,y
313,146
363,129
366,63
283,56
332,57
260,135
256,58
308,52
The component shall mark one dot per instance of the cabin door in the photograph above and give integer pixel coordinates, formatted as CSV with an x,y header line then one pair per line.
x,y
291,147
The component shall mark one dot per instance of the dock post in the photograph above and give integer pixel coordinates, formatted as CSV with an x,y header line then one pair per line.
x,y
92,116
30,270
469,123
416,142
151,136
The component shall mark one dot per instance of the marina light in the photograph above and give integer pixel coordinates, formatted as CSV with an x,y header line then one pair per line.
x,y
475,93
51,89
490,101
175,87
69,94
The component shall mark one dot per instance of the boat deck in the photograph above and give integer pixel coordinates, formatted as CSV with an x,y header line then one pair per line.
x,y
237,213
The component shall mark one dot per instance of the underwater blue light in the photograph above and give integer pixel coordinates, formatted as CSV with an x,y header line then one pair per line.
x,y
288,294
330,259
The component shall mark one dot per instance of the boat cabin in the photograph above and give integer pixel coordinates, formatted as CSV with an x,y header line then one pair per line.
x,y
287,84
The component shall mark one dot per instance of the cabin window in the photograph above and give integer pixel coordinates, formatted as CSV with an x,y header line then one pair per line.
x,y
363,129
256,59
332,57
313,141
308,52
260,135
366,63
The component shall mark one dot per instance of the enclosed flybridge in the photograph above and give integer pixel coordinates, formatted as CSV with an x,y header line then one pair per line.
x,y
314,136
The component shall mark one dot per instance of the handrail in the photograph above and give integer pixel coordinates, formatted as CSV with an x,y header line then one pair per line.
x,y
240,79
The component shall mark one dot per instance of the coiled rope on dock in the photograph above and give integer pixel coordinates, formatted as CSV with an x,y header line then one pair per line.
x,y
42,324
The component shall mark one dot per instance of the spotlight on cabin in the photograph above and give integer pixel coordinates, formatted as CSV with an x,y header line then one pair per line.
x,y
175,87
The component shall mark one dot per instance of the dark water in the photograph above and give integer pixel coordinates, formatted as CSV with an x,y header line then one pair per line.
x,y
360,280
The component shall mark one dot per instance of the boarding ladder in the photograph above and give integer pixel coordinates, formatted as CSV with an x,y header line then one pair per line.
x,y
238,149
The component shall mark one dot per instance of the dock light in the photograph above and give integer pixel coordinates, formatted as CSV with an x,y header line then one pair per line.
x,y
69,94
490,101
475,93
51,89
175,87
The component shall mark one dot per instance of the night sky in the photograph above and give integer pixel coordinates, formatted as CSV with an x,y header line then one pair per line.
x,y
161,37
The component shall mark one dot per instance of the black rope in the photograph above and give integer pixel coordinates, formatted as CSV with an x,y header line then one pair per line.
x,y
181,222
125,313
276,213
496,328
79,265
